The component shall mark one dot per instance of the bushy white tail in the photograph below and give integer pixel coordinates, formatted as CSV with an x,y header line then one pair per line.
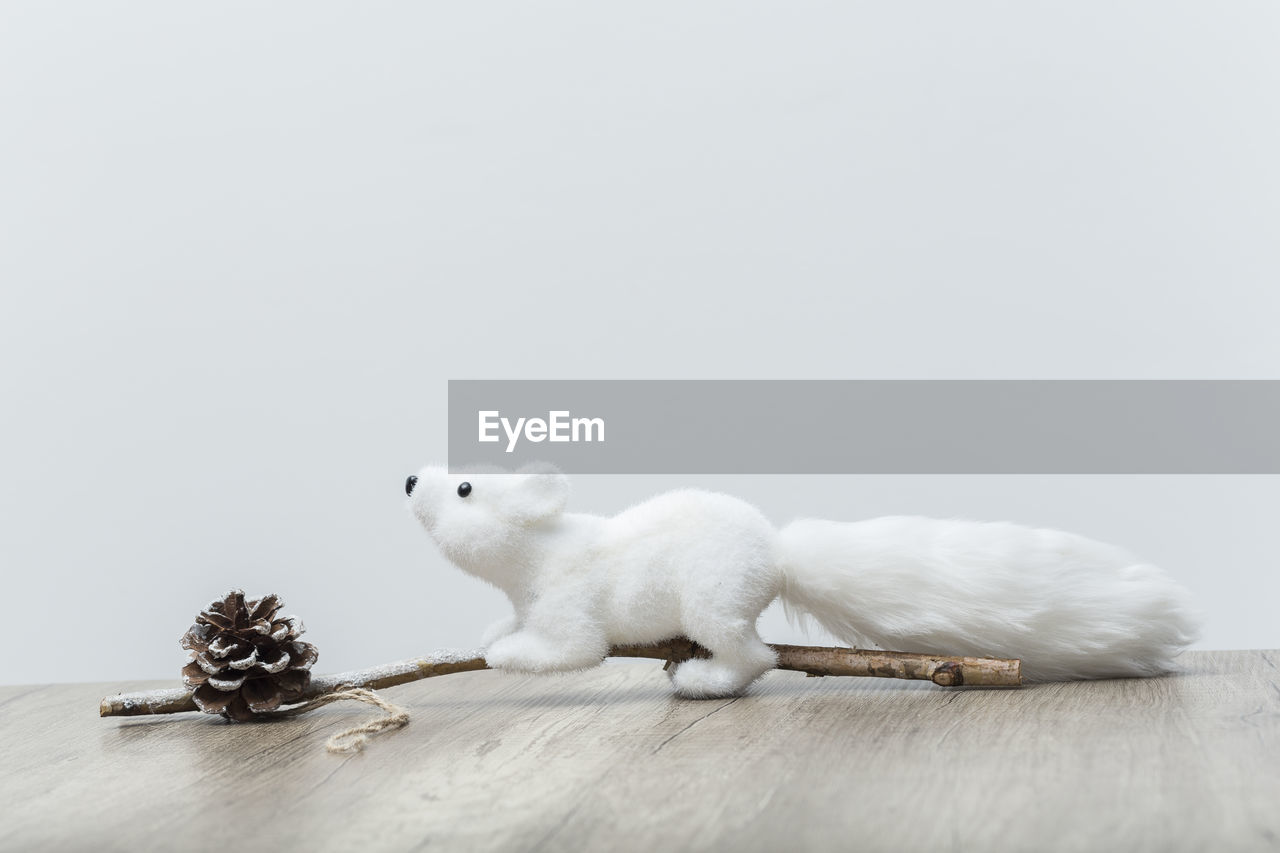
x,y
1069,607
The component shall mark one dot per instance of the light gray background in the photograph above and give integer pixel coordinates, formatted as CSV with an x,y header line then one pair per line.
x,y
244,245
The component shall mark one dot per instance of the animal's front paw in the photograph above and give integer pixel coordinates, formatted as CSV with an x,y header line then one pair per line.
x,y
498,630
524,652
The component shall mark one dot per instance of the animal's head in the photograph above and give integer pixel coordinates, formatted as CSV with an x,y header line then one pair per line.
x,y
481,516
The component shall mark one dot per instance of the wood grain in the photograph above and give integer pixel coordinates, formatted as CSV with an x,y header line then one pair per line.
x,y
608,759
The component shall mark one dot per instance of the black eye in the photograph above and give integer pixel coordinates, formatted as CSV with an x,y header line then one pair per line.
x,y
409,484
464,489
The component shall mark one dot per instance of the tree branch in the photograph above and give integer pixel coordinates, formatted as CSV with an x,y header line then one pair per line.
x,y
813,660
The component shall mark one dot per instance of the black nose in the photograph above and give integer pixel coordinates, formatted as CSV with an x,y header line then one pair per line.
x,y
409,484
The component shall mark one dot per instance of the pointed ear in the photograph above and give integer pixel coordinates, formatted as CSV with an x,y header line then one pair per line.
x,y
540,492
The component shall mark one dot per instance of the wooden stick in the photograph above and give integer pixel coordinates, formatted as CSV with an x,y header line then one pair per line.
x,y
813,660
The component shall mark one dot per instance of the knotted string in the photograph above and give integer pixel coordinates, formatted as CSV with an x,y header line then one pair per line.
x,y
354,738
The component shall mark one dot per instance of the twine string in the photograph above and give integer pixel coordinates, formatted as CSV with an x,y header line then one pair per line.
x,y
354,738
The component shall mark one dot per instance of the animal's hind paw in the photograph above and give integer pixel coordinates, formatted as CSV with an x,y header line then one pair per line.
x,y
700,678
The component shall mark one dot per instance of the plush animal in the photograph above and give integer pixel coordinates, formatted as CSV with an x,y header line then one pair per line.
x,y
705,565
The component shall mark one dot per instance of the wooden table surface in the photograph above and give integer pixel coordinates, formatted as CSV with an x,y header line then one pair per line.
x,y
609,760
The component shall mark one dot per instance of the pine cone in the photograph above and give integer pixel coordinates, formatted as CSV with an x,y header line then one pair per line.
x,y
245,661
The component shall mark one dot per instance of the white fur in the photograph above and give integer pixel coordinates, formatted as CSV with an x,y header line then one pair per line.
x,y
1068,606
705,565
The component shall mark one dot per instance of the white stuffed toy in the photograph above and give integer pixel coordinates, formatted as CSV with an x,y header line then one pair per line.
x,y
704,565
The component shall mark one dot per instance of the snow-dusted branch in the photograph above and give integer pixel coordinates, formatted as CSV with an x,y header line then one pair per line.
x,y
814,660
